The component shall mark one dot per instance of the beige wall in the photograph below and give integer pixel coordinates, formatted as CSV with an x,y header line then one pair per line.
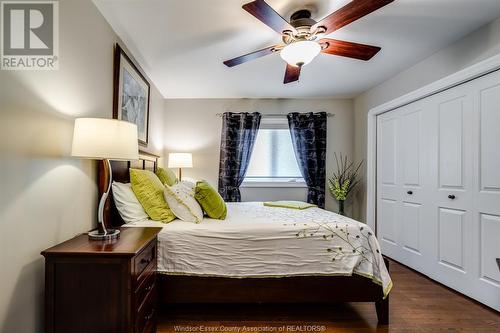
x,y
475,47
46,196
191,125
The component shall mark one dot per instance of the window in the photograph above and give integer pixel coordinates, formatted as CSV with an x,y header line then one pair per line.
x,y
273,158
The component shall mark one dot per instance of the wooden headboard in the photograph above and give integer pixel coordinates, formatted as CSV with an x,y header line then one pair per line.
x,y
120,169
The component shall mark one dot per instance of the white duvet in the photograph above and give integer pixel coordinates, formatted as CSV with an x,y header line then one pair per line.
x,y
260,241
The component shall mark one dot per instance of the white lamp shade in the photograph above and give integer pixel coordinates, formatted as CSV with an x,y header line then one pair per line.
x,y
300,53
180,160
99,138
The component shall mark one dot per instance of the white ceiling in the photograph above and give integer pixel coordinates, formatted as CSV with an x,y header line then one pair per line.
x,y
181,44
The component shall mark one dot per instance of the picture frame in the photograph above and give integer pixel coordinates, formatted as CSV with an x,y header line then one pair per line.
x,y
131,94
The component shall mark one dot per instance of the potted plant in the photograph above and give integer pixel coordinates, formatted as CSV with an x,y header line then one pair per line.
x,y
344,179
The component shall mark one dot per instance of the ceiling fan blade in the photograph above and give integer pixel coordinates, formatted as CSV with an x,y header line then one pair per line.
x,y
250,56
351,12
349,49
292,73
265,13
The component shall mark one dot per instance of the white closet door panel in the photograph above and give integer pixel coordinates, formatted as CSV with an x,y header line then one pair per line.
x,y
426,192
411,162
490,138
488,191
410,147
490,249
453,111
451,191
388,213
451,142
411,227
410,166
387,150
451,238
486,222
387,187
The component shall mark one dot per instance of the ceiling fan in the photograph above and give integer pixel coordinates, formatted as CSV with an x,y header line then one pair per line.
x,y
302,35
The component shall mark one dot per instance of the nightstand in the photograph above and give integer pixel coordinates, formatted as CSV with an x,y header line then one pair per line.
x,y
99,286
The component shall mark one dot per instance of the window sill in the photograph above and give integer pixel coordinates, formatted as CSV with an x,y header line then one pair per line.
x,y
274,184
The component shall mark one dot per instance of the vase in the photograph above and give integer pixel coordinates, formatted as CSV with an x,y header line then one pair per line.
x,y
341,207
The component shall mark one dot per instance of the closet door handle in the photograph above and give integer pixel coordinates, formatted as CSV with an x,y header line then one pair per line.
x,y
410,192
451,196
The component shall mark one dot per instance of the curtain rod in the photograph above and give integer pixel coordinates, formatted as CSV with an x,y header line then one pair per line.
x,y
275,115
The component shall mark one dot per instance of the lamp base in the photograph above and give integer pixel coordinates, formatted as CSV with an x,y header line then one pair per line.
x,y
110,235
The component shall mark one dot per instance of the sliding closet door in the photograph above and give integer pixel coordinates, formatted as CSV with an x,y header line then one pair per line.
x,y
400,185
451,176
388,189
486,236
412,145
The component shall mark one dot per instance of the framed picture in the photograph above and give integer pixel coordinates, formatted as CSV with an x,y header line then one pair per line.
x,y
131,94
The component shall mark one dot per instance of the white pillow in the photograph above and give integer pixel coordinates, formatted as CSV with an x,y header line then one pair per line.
x,y
126,202
189,185
181,201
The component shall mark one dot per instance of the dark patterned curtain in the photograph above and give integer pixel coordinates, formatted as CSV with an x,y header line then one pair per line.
x,y
308,131
239,131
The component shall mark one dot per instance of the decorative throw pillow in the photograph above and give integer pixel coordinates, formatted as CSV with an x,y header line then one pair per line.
x,y
166,176
182,203
189,186
126,202
210,200
149,191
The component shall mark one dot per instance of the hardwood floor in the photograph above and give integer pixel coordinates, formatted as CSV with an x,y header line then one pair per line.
x,y
417,304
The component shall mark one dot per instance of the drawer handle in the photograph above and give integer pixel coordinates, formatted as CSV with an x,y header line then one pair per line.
x,y
148,288
451,196
145,261
410,192
149,316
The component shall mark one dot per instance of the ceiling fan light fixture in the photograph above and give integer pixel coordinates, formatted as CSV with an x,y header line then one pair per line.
x,y
300,53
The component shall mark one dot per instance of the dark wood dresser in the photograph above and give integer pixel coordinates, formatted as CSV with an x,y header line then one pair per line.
x,y
102,287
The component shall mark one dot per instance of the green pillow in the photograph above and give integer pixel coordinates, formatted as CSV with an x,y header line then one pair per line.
x,y
210,200
166,176
149,191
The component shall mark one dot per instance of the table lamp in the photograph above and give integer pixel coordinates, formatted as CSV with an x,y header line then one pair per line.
x,y
105,139
180,160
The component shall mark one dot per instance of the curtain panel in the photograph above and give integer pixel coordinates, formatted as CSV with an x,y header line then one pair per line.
x,y
239,131
308,131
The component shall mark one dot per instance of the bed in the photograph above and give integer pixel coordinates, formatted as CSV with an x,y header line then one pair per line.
x,y
263,255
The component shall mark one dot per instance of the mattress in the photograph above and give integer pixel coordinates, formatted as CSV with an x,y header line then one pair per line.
x,y
260,241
